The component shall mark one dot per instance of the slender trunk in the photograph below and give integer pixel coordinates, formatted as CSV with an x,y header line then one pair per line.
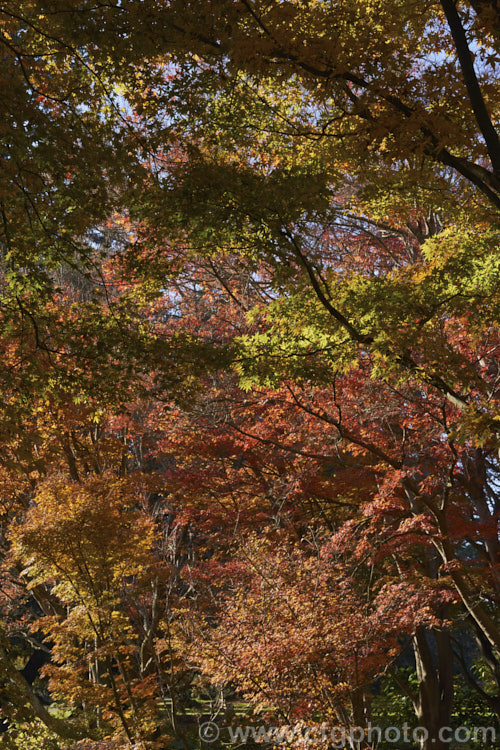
x,y
488,626
361,714
118,703
435,689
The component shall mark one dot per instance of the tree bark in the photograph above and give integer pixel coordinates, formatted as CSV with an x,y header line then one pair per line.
x,y
433,703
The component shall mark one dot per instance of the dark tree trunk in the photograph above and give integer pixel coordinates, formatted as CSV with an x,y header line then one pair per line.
x,y
435,690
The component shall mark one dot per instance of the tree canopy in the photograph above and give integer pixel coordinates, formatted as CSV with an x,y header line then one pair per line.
x,y
250,425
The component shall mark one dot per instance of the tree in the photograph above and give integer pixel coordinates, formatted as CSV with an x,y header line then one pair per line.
x,y
285,284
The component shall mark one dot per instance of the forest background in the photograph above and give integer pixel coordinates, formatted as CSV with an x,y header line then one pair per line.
x,y
250,423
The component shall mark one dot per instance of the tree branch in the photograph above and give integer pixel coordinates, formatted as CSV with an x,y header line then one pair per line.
x,y
476,99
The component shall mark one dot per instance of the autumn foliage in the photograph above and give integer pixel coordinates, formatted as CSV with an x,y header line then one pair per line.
x,y
250,335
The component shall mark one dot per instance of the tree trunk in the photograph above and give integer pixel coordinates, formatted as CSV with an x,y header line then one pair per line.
x,y
435,690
